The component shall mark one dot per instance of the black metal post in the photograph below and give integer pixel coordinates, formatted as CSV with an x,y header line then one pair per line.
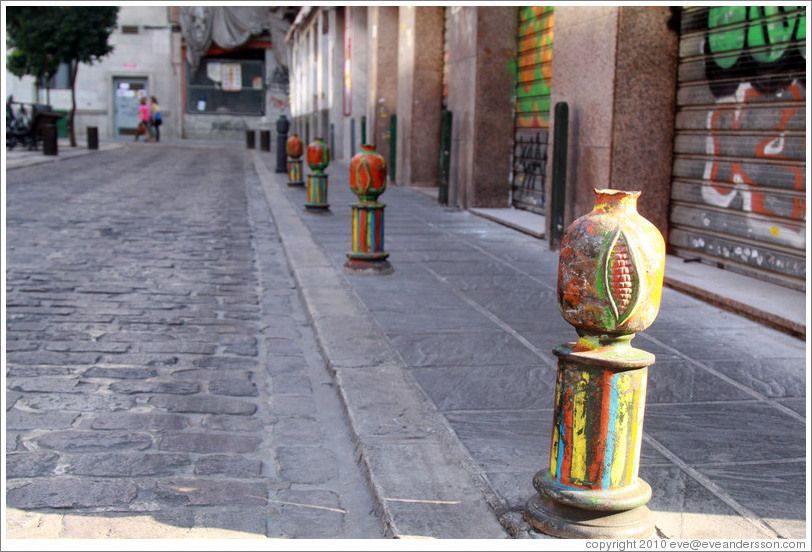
x,y
282,127
352,137
559,177
49,142
93,138
393,143
445,156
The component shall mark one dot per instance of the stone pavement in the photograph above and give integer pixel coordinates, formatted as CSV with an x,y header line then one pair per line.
x,y
444,368
161,376
455,346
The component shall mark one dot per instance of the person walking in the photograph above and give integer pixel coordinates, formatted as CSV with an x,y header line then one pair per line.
x,y
155,113
143,121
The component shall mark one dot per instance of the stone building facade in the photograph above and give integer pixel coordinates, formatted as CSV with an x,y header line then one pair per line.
x,y
354,66
464,100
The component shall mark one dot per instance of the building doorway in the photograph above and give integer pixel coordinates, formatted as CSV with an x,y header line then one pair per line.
x,y
127,94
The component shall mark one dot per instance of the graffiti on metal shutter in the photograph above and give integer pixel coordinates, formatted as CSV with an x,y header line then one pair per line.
x,y
739,188
533,70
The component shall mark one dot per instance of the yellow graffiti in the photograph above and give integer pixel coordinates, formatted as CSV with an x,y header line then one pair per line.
x,y
554,446
636,429
579,415
625,403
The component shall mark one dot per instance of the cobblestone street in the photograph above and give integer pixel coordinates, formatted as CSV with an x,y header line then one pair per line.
x,y
162,379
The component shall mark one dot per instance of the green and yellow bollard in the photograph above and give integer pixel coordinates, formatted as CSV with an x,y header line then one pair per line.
x,y
318,157
367,181
610,279
294,149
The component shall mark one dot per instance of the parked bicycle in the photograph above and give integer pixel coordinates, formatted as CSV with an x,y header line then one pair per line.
x,y
26,125
18,124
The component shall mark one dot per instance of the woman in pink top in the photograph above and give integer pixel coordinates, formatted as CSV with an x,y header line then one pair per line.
x,y
143,119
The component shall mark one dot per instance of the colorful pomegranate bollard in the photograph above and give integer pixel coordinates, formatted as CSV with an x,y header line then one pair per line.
x,y
367,181
318,157
294,149
610,278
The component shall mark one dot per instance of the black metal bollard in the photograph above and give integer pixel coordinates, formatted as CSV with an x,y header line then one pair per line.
x,y
250,139
92,138
49,142
282,127
265,140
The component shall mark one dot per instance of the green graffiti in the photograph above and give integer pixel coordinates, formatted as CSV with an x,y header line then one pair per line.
x,y
726,40
533,82
531,105
774,34
768,30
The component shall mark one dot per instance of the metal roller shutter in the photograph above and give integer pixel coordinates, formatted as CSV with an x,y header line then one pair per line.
x,y
533,75
738,192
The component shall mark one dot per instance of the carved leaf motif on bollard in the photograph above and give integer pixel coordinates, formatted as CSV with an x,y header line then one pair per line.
x,y
294,148
318,157
611,267
368,173
609,287
367,181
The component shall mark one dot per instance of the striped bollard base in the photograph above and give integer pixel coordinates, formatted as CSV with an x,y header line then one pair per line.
x,y
591,489
295,172
317,194
367,255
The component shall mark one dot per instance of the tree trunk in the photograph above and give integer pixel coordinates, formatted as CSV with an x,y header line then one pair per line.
x,y
74,69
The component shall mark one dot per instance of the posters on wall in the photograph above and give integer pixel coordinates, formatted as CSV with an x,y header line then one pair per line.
x,y
214,71
232,77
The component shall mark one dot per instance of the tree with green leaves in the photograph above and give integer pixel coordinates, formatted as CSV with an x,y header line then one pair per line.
x,y
40,38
